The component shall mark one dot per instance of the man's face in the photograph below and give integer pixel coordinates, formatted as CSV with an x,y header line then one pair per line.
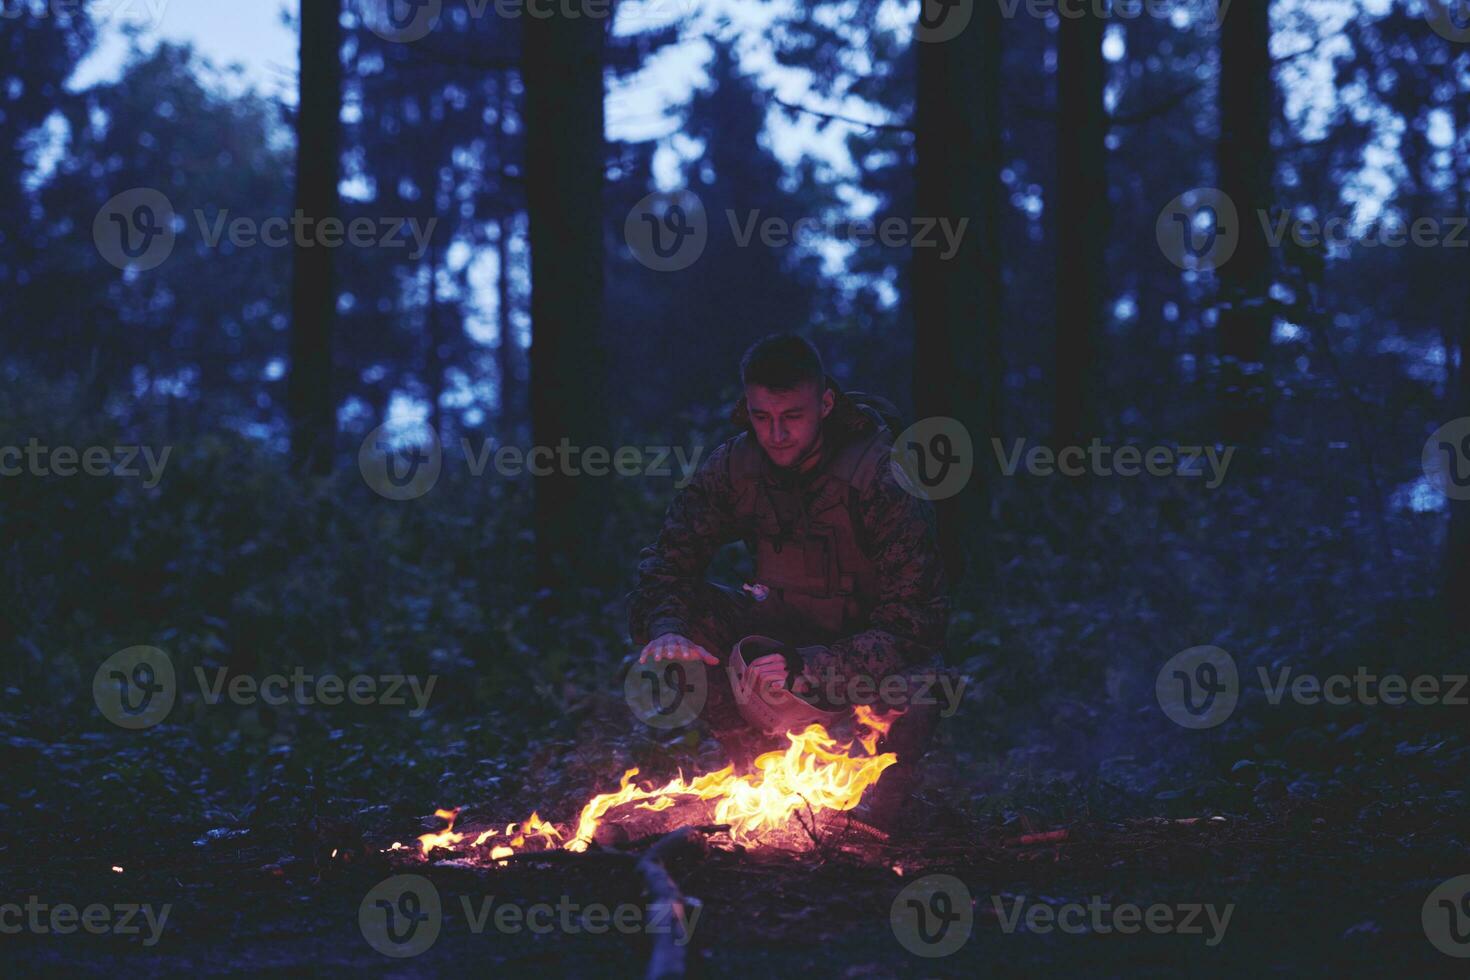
x,y
788,424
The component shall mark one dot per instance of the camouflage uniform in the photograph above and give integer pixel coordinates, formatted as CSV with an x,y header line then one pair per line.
x,y
893,610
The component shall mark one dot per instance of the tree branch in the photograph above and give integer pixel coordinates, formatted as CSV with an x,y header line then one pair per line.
x,y
837,117
666,903
1167,105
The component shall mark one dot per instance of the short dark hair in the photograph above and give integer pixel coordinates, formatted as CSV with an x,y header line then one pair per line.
x,y
781,362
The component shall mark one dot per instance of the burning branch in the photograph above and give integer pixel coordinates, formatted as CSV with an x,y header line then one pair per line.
x,y
815,772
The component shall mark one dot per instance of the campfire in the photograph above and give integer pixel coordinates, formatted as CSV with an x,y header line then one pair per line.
x,y
775,804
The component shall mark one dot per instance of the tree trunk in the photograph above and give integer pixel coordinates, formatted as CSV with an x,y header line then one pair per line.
x,y
309,403
434,347
956,302
562,69
1457,560
505,350
1247,106
1457,563
1081,223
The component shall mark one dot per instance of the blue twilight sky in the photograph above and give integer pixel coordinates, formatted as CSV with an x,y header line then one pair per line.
x,y
257,36
259,39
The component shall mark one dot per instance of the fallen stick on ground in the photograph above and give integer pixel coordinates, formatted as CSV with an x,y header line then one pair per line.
x,y
649,839
666,902
567,857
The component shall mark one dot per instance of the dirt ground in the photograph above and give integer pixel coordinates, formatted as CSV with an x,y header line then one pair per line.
x,y
1306,898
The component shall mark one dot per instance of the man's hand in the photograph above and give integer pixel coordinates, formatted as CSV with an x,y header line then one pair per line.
x,y
770,672
672,646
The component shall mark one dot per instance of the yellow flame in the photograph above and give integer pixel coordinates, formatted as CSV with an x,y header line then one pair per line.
x,y
445,837
876,726
812,774
534,826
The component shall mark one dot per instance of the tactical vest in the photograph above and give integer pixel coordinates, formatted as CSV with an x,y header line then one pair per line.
x,y
809,546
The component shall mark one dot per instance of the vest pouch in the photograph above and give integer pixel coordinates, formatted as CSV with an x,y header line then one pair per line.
x,y
852,606
803,574
821,575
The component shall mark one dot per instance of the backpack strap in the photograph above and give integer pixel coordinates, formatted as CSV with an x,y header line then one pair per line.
x,y
745,458
850,474
875,453
744,466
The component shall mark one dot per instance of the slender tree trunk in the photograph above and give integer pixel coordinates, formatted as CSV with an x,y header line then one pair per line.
x,y
562,57
1247,107
505,350
1457,561
957,302
1081,222
435,343
309,402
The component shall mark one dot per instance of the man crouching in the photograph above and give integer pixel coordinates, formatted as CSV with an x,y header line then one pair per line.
x,y
848,602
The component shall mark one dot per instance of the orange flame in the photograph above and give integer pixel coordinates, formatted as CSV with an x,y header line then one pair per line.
x,y
812,774
877,727
445,837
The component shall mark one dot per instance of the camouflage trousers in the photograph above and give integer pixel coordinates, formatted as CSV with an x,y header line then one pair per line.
x,y
719,617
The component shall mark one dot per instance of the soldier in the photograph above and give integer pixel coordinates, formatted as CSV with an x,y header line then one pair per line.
x,y
848,581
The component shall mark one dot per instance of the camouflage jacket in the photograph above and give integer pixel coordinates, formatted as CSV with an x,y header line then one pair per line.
x,y
905,626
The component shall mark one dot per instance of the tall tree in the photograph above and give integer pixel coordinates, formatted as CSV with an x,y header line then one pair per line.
x,y
956,302
562,68
156,335
1247,110
1457,584
507,370
313,293
424,141
739,288
39,53
1080,221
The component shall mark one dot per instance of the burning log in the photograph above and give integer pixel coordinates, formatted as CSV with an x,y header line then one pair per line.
x,y
708,828
815,773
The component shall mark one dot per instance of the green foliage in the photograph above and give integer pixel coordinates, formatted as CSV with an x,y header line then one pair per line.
x,y
229,563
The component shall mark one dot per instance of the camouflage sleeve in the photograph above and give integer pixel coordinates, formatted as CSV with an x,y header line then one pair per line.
x,y
908,622
698,523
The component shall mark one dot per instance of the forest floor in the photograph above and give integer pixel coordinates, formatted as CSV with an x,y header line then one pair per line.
x,y
1320,829
1294,888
